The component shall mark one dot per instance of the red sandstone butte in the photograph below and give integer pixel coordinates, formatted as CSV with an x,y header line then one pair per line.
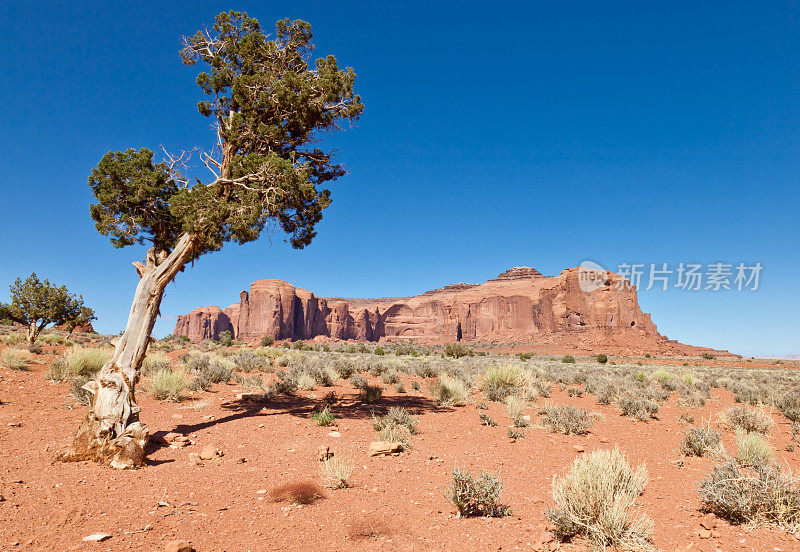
x,y
519,305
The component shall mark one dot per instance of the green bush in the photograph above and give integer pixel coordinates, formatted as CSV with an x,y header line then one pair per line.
x,y
15,359
379,351
267,341
597,499
752,448
323,417
167,384
602,358
476,496
636,406
499,382
568,359
371,394
700,441
457,350
397,416
226,338
79,361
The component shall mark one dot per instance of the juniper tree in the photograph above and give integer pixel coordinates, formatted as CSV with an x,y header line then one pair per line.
x,y
36,304
269,105
83,317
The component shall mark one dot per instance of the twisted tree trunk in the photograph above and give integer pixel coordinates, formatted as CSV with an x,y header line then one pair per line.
x,y
111,431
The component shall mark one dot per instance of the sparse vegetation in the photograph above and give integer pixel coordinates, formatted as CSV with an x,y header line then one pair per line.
x,y
752,449
449,391
597,499
299,492
567,419
168,384
323,417
701,441
15,359
748,420
476,496
335,472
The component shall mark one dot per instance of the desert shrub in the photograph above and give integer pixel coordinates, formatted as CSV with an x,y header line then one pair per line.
x,y
371,394
515,405
226,339
167,384
700,441
85,361
525,356
335,472
597,499
567,419
416,386
397,416
154,362
306,381
378,351
297,492
574,392
602,358
636,406
756,495
499,382
81,394
267,341
751,448
449,391
426,370
401,350
344,368
605,390
476,496
515,433
399,387
487,420
251,382
707,356
457,350
568,359
358,381
323,417
285,384
249,361
748,420
369,526
390,377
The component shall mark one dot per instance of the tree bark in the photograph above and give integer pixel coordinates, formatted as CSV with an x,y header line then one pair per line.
x,y
111,431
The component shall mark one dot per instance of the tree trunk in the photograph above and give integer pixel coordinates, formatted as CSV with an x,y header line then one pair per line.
x,y
111,431
33,333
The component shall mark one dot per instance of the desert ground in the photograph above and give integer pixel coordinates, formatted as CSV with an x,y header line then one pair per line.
x,y
233,439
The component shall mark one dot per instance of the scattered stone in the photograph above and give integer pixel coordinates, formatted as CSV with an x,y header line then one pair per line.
x,y
172,436
527,418
261,491
241,460
209,453
15,424
178,546
603,440
709,521
250,397
334,434
96,537
546,537
704,533
578,448
377,448
194,459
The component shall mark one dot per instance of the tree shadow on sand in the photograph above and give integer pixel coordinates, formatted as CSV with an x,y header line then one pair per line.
x,y
344,408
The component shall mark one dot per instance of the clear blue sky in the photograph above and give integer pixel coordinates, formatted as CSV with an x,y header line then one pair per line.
x,y
494,135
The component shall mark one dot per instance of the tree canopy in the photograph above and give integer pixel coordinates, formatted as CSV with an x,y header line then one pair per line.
x,y
37,304
270,105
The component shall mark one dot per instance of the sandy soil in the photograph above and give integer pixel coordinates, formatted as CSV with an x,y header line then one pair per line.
x,y
221,505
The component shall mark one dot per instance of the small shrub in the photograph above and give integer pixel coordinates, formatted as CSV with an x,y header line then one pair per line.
x,y
748,420
499,382
515,405
575,392
597,499
299,492
85,361
568,359
390,377
602,358
335,472
487,420
752,448
249,361
449,391
707,356
399,387
641,408
397,416
757,495
457,350
416,386
700,441
358,381
286,384
378,351
168,384
516,434
267,341
226,339
476,496
371,394
323,417
81,394
567,419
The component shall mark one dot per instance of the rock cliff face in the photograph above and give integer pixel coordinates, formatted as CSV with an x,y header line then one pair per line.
x,y
520,304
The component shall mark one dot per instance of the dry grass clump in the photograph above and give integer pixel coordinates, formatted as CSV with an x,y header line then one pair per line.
x,y
369,527
748,420
297,492
752,448
449,391
476,496
567,419
15,359
335,472
638,406
597,499
167,384
700,441
758,495
499,382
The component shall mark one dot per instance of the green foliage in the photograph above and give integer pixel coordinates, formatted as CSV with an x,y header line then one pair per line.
x,y
267,341
707,356
568,359
270,104
602,358
379,351
225,338
167,384
37,304
323,417
396,416
476,496
449,391
457,350
14,359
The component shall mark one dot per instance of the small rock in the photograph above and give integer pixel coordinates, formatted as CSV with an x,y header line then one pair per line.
x,y
704,533
261,491
96,537
178,546
250,397
334,434
376,448
15,424
194,459
603,440
715,534
578,448
546,537
241,460
172,436
526,418
209,452
709,521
